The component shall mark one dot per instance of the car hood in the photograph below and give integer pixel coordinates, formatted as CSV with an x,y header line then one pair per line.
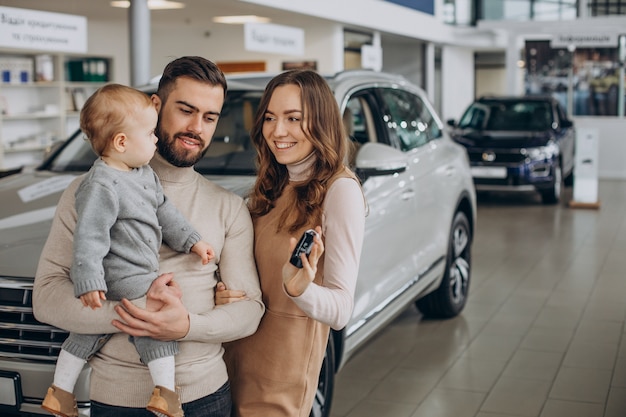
x,y
28,204
501,139
29,201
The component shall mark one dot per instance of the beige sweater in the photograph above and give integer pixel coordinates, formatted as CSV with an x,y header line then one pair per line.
x,y
221,217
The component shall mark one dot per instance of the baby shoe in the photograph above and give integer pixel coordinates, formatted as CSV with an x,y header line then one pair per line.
x,y
60,402
165,403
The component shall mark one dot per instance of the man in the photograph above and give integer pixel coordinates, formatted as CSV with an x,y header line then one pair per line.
x,y
189,101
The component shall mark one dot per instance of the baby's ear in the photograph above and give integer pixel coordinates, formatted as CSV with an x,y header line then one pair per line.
x,y
119,142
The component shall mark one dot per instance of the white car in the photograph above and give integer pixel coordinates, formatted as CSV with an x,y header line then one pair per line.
x,y
422,214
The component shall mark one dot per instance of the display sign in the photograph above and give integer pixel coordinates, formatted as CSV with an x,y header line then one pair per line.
x,y
33,29
586,169
372,57
276,39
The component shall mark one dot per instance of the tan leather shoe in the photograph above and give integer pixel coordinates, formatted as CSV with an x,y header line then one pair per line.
x,y
60,402
165,403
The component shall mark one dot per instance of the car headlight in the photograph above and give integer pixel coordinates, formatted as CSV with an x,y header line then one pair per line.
x,y
543,153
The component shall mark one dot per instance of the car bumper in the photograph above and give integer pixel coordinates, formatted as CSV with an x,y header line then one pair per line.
x,y
519,178
24,384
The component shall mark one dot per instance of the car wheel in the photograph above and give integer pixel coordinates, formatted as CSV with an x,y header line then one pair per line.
x,y
324,395
569,180
553,195
449,299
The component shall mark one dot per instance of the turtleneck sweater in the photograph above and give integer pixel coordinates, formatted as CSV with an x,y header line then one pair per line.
x,y
117,375
274,372
343,224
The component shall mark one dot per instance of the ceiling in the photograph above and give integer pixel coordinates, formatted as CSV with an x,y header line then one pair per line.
x,y
195,12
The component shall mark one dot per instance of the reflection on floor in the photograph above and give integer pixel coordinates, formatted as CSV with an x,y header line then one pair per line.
x,y
542,335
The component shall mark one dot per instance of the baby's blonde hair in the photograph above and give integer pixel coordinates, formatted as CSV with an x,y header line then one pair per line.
x,y
106,113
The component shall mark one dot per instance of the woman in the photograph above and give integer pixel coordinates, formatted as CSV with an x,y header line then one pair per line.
x,y
302,183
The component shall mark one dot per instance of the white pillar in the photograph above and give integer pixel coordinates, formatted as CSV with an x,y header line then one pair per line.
x,y
429,78
512,57
139,30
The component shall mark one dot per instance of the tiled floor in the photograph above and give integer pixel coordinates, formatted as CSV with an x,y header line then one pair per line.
x,y
542,335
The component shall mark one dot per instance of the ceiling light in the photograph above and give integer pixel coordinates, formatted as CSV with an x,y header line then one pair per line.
x,y
152,4
239,20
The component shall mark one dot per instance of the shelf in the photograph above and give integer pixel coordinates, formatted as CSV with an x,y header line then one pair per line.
x,y
38,84
29,116
40,99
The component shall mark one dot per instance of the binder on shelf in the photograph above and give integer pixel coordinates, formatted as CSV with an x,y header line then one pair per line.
x,y
88,69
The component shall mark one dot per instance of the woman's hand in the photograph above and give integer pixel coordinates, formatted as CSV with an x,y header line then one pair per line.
x,y
226,296
296,280
164,318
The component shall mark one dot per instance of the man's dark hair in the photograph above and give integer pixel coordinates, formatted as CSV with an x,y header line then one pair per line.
x,y
194,67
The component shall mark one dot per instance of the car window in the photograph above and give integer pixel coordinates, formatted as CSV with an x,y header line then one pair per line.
x,y
230,152
519,115
408,119
474,117
359,123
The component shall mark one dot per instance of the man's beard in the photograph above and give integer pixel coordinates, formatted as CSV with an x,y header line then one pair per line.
x,y
181,158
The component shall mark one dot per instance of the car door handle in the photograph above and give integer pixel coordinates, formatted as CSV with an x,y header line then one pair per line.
x,y
449,171
408,194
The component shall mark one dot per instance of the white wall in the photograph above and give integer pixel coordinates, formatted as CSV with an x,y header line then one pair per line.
x,y
224,43
457,81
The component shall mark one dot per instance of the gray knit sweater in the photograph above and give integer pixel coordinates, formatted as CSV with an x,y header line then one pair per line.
x,y
122,217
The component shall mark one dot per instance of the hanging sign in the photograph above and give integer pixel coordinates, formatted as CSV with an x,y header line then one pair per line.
x,y
584,40
277,39
33,29
372,57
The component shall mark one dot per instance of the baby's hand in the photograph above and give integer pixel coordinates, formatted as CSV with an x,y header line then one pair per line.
x,y
92,299
204,251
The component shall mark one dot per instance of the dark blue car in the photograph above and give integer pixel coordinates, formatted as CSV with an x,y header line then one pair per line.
x,y
518,144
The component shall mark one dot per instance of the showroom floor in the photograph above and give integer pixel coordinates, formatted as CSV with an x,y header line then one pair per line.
x,y
542,334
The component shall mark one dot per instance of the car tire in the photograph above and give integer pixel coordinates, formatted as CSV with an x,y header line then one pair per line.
x,y
449,299
569,180
553,194
326,384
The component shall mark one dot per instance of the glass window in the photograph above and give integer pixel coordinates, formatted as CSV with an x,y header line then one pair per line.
x,y
592,74
524,10
606,7
408,120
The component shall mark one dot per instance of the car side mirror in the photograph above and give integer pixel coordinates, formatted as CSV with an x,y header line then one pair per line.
x,y
376,159
450,122
566,123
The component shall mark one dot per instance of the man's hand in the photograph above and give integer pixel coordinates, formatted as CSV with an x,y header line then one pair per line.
x,y
92,299
169,322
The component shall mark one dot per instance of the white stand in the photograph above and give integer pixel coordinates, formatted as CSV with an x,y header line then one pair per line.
x,y
586,169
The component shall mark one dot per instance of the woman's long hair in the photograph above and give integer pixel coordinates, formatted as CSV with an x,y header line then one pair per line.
x,y
325,131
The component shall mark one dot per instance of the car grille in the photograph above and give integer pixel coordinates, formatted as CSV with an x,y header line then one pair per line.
x,y
501,156
21,336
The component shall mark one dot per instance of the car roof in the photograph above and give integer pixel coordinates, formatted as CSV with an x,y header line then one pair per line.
x,y
258,80
484,99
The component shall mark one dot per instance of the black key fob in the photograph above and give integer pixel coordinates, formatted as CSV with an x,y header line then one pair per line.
x,y
304,246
